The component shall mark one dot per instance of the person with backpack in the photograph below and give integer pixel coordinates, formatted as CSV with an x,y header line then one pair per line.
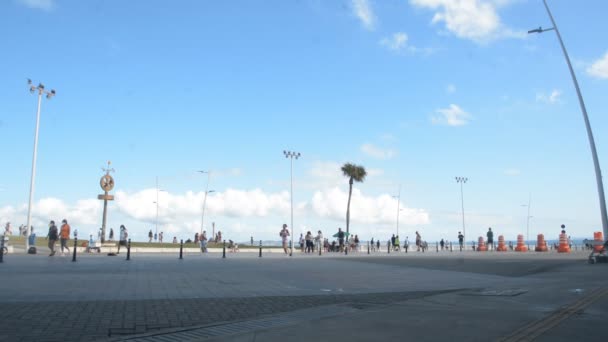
x,y
52,236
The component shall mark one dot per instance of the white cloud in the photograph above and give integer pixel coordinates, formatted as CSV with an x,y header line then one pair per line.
x,y
363,11
397,42
229,203
377,152
552,98
451,116
512,172
45,5
450,89
381,209
599,68
476,20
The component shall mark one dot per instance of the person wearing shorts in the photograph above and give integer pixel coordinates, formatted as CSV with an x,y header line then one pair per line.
x,y
123,237
284,234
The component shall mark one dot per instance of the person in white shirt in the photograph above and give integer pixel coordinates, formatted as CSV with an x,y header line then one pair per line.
x,y
319,241
284,234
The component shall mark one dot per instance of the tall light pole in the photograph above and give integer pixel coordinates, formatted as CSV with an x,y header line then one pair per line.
x,y
157,191
596,163
528,218
291,155
398,197
49,94
207,191
462,180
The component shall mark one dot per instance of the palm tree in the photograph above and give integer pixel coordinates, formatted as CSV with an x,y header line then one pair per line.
x,y
355,173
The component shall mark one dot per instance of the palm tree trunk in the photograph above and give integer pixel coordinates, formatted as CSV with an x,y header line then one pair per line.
x,y
350,193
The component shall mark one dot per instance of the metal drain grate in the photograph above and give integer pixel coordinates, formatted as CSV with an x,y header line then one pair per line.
x,y
198,333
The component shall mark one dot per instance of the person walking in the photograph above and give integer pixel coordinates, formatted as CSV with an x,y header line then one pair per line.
x,y
203,239
418,241
150,235
442,244
406,243
373,246
111,234
52,237
490,236
378,245
284,234
393,242
64,235
160,237
122,237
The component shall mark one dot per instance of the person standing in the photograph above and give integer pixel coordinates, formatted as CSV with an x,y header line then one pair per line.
x,y
309,245
406,243
64,235
284,234
150,235
378,245
52,236
203,238
418,241
122,237
490,236
319,240
111,234
373,245
341,239
442,244
160,237
196,237
460,240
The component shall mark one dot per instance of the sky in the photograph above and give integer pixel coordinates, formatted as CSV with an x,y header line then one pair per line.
x,y
418,92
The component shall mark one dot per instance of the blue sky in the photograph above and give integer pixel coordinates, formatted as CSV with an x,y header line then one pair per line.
x,y
417,91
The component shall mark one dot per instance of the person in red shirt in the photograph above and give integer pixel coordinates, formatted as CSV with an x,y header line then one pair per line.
x,y
64,235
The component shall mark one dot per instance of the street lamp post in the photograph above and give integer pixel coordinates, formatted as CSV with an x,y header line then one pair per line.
x,y
398,197
157,191
291,155
207,191
462,180
596,163
528,218
49,95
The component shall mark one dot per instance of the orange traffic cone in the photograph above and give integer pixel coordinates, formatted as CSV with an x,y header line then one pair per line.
x,y
521,247
481,245
598,238
563,244
541,244
501,244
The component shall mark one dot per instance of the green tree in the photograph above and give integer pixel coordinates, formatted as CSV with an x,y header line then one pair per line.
x,y
355,173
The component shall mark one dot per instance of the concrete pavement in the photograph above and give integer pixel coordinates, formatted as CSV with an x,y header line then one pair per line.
x,y
377,296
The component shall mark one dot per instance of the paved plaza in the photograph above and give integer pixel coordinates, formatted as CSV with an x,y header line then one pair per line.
x,y
428,296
